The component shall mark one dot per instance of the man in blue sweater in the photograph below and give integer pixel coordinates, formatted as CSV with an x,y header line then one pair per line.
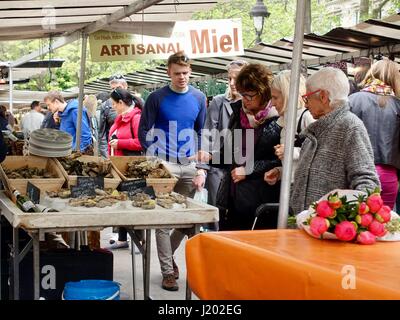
x,y
66,113
170,128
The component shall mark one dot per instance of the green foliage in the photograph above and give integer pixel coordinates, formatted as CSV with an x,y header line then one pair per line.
x,y
211,87
280,23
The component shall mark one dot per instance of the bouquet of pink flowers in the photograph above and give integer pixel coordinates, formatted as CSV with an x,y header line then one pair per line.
x,y
346,217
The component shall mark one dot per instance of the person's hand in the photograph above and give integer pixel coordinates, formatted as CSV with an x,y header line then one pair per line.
x,y
272,176
56,117
114,143
238,174
201,156
199,179
279,149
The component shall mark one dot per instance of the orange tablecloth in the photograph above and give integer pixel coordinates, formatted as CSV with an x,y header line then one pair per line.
x,y
288,264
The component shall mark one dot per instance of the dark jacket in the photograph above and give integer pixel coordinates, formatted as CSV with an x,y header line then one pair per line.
x,y
48,122
3,149
382,123
243,198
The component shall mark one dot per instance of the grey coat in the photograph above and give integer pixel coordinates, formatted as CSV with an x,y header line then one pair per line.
x,y
383,125
218,114
336,154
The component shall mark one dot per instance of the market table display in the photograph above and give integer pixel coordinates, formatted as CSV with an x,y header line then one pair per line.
x,y
289,264
193,215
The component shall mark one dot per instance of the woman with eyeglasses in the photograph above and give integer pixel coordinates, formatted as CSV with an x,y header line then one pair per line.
x,y
123,138
378,106
336,152
280,96
253,133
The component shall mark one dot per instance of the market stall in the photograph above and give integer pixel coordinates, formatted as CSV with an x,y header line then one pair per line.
x,y
83,198
289,264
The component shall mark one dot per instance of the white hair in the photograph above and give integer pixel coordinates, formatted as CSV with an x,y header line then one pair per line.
x,y
281,83
332,80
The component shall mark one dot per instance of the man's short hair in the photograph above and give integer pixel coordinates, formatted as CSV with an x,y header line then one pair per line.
x,y
35,104
53,96
179,58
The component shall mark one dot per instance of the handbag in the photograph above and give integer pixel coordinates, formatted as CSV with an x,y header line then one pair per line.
x,y
298,140
222,199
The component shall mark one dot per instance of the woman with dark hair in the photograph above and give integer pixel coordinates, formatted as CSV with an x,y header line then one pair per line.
x,y
253,134
123,138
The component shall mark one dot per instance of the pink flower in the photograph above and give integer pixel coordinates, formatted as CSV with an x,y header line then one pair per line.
x,y
366,237
334,202
318,226
363,208
374,202
324,210
377,228
383,215
345,231
365,219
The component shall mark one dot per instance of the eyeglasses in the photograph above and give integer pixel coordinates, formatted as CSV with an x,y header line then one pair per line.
x,y
176,59
117,77
239,63
307,95
248,96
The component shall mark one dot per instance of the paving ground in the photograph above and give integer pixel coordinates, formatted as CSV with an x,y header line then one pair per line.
x,y
123,271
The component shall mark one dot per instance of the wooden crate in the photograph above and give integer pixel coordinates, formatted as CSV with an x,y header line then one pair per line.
x,y
45,184
159,184
71,180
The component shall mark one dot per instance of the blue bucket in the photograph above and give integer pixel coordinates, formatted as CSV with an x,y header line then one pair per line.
x,y
91,290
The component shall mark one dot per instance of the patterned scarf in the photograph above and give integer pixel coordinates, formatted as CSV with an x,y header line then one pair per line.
x,y
248,120
378,87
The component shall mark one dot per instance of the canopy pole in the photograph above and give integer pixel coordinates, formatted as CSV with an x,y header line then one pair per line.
x,y
10,87
291,115
80,97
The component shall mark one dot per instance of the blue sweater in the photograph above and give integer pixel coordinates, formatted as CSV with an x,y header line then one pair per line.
x,y
69,118
177,120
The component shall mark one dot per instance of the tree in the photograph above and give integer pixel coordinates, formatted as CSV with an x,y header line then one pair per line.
x,y
373,9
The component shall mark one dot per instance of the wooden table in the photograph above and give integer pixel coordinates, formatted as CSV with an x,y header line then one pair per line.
x,y
38,224
289,264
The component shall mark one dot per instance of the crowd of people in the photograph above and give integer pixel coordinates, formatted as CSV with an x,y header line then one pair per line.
x,y
235,146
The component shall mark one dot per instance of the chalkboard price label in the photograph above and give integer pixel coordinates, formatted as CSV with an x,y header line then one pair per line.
x,y
132,185
33,193
91,182
82,190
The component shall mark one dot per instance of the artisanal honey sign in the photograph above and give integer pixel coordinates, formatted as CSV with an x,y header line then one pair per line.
x,y
198,38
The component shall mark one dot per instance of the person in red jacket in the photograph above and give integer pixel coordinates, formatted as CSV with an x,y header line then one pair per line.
x,y
123,138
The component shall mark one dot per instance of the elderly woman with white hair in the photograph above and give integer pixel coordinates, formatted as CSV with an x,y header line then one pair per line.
x,y
337,152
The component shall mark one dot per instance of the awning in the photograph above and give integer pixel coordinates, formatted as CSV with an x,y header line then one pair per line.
x,y
41,18
367,38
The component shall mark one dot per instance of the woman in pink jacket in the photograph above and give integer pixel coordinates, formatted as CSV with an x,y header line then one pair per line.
x,y
123,138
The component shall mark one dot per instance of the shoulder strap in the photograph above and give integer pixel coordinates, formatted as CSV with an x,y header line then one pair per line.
x,y
299,123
